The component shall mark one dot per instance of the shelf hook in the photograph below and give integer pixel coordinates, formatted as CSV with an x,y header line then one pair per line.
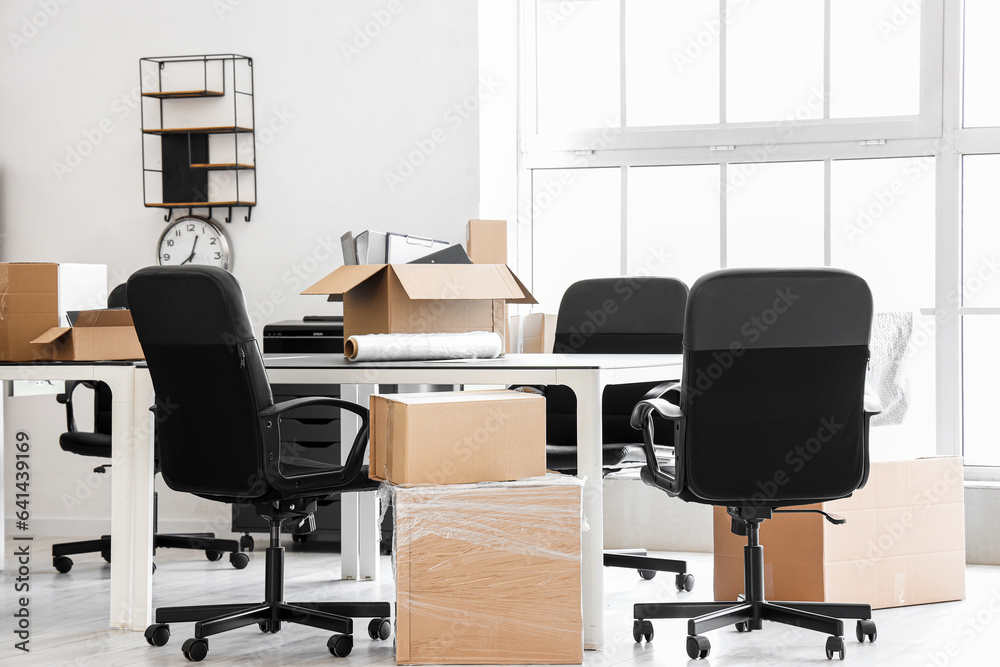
x,y
229,217
249,211
170,214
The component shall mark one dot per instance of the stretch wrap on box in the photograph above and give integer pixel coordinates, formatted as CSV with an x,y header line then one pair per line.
x,y
411,347
479,564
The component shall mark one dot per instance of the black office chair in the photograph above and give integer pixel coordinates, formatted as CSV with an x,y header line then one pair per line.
x,y
98,444
637,315
219,435
772,414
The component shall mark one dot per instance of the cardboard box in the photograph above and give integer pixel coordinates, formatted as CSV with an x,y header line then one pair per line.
x,y
489,573
487,241
532,333
35,296
903,543
97,335
423,298
456,437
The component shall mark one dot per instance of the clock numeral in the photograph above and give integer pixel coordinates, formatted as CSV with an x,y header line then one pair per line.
x,y
213,241
170,242
177,232
190,227
166,257
218,255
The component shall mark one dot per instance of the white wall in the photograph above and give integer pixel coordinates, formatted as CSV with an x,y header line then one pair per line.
x,y
335,111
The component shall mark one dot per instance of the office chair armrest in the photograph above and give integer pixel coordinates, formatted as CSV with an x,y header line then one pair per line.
x,y
66,398
662,389
872,404
528,388
327,480
642,419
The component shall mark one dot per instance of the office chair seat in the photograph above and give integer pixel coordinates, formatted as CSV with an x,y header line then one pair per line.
x,y
614,456
86,444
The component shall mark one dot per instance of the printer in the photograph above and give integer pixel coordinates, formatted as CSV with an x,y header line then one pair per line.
x,y
310,335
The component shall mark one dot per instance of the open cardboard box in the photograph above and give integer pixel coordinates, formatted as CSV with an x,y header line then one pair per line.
x,y
423,298
34,297
97,335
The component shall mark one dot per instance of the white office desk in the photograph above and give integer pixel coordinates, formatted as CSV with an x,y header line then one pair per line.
x,y
131,482
587,375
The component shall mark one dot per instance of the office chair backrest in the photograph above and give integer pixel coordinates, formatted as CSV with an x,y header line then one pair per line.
x,y
208,376
630,315
773,388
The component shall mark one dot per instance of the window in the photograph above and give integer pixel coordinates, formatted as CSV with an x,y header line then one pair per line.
x,y
862,134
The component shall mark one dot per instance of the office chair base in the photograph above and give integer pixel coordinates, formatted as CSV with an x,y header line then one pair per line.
x,y
214,548
648,567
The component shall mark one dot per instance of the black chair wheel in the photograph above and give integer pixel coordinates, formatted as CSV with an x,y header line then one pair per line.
x,y
239,560
866,628
647,574
834,645
106,555
698,647
299,538
246,543
268,626
340,645
743,626
157,634
642,629
684,582
63,564
379,628
195,650
213,555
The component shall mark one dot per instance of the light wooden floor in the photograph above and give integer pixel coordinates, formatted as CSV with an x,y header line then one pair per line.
x,y
69,619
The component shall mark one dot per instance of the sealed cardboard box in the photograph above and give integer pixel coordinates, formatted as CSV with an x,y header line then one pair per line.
x,y
423,298
97,335
489,573
533,333
456,437
35,296
487,241
903,543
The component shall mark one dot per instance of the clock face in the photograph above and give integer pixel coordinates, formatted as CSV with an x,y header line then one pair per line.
x,y
193,239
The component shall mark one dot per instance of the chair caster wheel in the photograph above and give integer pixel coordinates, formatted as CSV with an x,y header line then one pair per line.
x,y
63,564
213,555
298,538
834,645
866,629
647,574
268,626
684,582
743,626
157,634
246,543
239,560
340,645
379,628
642,630
698,647
195,650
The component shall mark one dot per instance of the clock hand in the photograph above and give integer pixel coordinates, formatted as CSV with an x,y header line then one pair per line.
x,y
193,246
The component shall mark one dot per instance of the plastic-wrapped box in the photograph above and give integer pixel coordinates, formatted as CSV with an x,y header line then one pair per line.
x,y
488,573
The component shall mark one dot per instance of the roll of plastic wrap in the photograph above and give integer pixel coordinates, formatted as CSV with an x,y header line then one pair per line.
x,y
411,347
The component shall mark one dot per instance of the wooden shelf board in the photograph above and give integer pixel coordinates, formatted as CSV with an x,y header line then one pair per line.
x,y
222,165
184,93
203,204
199,130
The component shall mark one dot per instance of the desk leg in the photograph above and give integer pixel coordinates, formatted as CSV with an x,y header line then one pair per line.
x,y
131,499
588,392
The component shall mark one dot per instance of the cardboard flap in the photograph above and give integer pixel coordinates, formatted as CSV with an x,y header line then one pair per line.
x,y
343,279
52,335
526,295
457,281
104,318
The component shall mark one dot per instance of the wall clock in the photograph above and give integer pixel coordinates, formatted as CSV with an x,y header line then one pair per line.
x,y
193,239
